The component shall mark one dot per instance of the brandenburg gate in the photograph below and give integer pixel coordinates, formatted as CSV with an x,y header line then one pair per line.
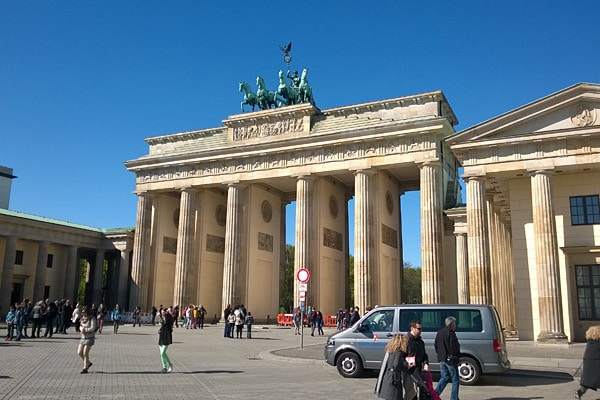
x,y
211,221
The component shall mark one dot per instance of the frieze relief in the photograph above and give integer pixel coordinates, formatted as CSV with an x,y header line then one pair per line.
x,y
300,157
268,129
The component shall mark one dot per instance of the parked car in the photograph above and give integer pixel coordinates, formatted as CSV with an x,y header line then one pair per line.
x,y
478,328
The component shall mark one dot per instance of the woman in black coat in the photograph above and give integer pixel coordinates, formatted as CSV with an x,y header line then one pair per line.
x,y
165,338
590,378
389,382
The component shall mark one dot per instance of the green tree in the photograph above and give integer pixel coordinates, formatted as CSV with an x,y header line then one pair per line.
x,y
411,284
81,286
351,278
287,293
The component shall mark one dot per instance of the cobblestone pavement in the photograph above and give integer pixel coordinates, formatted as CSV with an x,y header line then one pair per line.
x,y
274,364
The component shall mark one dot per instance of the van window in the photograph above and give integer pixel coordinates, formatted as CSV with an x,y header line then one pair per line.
x,y
379,321
433,319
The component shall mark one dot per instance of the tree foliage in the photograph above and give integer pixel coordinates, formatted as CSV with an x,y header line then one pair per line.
x,y
411,284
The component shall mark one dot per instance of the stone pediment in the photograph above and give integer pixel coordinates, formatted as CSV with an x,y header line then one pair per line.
x,y
572,111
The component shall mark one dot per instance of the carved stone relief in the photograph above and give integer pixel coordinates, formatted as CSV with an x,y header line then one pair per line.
x,y
215,244
169,245
265,242
389,236
584,115
221,215
268,129
332,239
266,211
333,206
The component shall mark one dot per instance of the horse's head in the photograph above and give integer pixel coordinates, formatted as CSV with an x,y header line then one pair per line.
x,y
260,82
242,86
281,78
304,75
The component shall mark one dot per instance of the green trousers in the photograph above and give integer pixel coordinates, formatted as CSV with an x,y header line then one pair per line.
x,y
163,355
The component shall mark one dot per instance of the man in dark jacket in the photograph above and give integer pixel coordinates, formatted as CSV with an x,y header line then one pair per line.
x,y
448,352
416,349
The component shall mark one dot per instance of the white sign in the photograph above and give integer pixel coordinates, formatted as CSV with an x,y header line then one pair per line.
x,y
302,296
302,287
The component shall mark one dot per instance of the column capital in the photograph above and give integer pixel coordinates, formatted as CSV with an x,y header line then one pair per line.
x,y
188,189
234,184
541,171
477,178
307,177
428,163
144,193
364,171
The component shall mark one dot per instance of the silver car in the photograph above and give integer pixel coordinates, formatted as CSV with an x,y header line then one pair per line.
x,y
478,328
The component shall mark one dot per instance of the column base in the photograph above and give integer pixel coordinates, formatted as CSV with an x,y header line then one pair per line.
x,y
552,337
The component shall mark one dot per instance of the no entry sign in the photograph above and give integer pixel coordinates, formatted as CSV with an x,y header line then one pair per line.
x,y
303,275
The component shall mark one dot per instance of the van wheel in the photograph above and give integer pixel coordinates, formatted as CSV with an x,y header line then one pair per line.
x,y
469,371
349,365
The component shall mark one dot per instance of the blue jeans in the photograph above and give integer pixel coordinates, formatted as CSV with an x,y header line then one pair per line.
x,y
448,372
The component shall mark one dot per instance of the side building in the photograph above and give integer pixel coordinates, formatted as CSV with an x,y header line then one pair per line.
x,y
45,258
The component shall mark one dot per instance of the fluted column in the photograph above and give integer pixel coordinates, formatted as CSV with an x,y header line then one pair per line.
x,y
70,291
478,242
40,272
462,268
97,280
185,247
141,253
431,233
546,257
364,232
233,245
123,277
304,239
8,268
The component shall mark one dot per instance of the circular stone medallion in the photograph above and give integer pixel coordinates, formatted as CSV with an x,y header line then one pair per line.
x,y
389,202
266,211
221,215
333,206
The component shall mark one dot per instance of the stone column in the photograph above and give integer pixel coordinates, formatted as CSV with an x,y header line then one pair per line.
x,y
141,253
40,272
546,257
364,232
462,268
233,245
185,247
304,239
70,291
8,268
478,242
431,233
123,277
97,279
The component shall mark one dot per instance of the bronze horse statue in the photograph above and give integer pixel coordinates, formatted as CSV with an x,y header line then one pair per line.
x,y
289,93
266,98
249,97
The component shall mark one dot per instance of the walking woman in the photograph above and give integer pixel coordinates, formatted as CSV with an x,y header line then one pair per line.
x,y
590,378
393,367
87,328
165,338
101,316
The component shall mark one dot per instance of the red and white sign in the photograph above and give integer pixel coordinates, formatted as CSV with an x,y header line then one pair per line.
x,y
303,275
302,296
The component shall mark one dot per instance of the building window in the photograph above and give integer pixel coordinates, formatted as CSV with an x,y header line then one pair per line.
x,y
588,291
46,292
19,257
49,260
585,210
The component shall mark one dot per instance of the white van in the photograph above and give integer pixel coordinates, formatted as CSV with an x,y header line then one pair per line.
x,y
478,328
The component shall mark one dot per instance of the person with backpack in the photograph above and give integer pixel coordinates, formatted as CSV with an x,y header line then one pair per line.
x,y
249,322
201,315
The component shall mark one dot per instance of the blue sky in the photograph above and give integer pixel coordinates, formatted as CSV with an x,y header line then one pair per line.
x,y
82,83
